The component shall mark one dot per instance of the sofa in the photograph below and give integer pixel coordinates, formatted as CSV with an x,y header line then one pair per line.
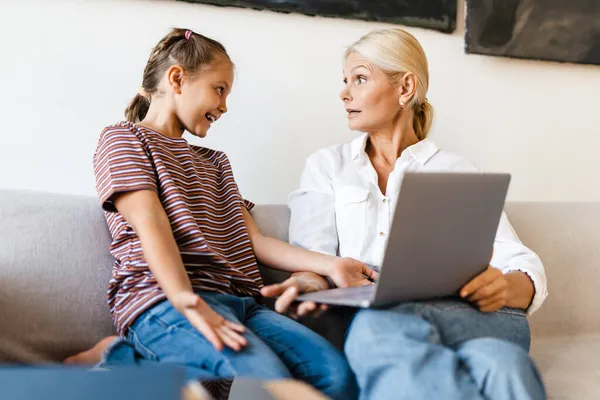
x,y
55,265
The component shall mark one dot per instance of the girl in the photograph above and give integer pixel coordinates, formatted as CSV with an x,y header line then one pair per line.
x,y
185,281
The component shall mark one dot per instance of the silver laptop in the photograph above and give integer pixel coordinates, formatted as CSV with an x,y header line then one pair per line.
x,y
442,236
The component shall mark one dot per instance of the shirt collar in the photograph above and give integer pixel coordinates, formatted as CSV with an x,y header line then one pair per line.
x,y
358,145
421,151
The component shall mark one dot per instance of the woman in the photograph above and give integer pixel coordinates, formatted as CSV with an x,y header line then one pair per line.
x,y
471,349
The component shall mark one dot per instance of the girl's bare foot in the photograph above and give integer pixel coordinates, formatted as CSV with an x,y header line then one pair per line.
x,y
92,356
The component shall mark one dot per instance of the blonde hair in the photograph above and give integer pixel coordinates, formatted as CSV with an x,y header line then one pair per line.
x,y
397,52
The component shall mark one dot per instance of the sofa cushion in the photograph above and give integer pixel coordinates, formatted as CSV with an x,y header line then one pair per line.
x,y
569,365
54,270
565,236
272,221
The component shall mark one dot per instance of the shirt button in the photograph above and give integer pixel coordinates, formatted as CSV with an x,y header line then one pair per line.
x,y
385,200
381,234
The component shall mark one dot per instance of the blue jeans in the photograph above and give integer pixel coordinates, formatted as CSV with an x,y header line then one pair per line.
x,y
443,349
278,347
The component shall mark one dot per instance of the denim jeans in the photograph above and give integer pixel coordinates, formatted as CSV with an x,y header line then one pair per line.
x,y
278,347
444,349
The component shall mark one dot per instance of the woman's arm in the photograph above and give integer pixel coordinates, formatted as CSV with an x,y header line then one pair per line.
x,y
517,260
516,277
520,290
144,212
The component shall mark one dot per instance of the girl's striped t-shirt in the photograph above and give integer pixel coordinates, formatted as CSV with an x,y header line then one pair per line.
x,y
202,201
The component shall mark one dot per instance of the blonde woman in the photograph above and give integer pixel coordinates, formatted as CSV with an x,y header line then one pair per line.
x,y
473,348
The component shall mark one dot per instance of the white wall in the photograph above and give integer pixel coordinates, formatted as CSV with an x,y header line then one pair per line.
x,y
68,69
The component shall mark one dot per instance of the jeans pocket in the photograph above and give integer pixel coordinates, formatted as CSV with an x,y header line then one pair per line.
x,y
144,351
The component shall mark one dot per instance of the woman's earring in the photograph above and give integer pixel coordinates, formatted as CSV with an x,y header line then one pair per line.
x,y
401,104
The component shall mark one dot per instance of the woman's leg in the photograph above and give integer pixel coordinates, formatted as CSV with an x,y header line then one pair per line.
x,y
308,356
398,355
502,370
459,321
441,337
493,346
164,335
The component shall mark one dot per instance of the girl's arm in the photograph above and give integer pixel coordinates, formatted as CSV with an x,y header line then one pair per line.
x,y
344,272
144,212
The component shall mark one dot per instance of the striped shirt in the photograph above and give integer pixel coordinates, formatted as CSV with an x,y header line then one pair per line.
x,y
198,192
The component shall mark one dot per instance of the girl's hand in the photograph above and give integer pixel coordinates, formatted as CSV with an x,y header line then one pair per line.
x,y
216,329
288,291
348,272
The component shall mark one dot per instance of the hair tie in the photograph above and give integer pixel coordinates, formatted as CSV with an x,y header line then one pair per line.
x,y
421,106
188,34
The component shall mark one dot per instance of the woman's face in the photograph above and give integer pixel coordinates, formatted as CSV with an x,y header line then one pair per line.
x,y
371,100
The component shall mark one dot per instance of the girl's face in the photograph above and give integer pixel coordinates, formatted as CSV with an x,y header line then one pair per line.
x,y
202,97
370,99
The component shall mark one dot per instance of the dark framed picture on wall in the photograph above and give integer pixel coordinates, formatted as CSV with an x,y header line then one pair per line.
x,y
433,14
553,30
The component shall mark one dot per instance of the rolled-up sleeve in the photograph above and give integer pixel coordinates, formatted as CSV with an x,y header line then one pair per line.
x,y
512,255
312,223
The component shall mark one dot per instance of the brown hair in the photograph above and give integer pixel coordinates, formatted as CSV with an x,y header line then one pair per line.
x,y
183,47
396,52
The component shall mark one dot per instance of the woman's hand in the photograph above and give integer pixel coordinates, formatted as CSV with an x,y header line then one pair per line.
x,y
488,290
492,290
288,291
216,329
347,272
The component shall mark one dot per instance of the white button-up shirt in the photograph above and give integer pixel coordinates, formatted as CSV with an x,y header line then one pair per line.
x,y
339,208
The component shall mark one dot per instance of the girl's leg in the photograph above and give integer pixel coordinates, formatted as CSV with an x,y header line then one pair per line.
x,y
93,355
164,335
307,355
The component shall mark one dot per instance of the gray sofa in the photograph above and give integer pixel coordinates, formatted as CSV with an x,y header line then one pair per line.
x,y
55,265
